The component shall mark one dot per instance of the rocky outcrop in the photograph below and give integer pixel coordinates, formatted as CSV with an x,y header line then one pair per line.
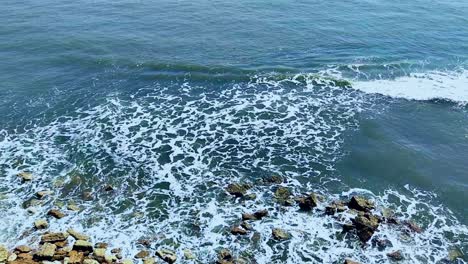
x,y
365,225
361,204
308,202
238,189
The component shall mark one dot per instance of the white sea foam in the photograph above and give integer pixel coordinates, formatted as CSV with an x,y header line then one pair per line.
x,y
170,151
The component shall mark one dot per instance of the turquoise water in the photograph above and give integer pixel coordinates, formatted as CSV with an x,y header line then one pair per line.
x,y
169,101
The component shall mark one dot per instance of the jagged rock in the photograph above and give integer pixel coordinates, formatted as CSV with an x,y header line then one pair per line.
x,y
82,245
77,235
395,255
25,176
348,261
12,257
237,189
167,255
238,231
3,254
43,194
412,226
308,202
335,207
23,249
46,252
101,245
56,213
246,226
73,207
75,257
142,254
279,234
188,254
54,237
274,179
149,261
365,226
361,204
41,224
90,261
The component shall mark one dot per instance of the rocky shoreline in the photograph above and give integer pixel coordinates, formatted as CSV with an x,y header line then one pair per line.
x,y
73,247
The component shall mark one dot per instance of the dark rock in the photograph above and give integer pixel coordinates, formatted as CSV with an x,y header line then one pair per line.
x,y
382,244
348,261
255,216
279,234
144,242
246,226
224,256
395,255
335,207
56,213
412,226
87,196
282,193
82,245
348,227
238,189
360,204
273,179
238,231
108,188
101,245
365,226
308,202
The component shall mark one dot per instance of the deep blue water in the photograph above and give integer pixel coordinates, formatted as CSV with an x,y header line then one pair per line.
x,y
169,101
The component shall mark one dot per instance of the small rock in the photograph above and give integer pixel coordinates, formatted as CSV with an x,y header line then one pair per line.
x,y
54,237
12,257
43,194
365,225
110,258
335,207
82,245
282,193
41,224
188,254
61,244
308,202
77,235
167,255
101,245
246,217
225,254
56,213
90,261
383,244
127,261
237,189
144,242
99,253
274,179
412,226
348,261
454,254
108,188
246,226
142,254
256,237
360,204
250,196
3,254
116,250
87,196
279,234
75,257
23,249
395,255
149,261
238,231
46,252
73,207
255,216
25,176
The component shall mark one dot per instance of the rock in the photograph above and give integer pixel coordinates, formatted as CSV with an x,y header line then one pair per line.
x,y
41,224
360,204
43,194
250,196
144,242
60,254
87,196
61,244
127,261
237,189
246,226
31,210
282,193
110,258
75,257
116,250
25,176
56,213
279,234
366,225
108,188
395,255
101,245
238,231
348,261
246,217
23,249
46,252
73,207
167,255
454,254
82,245
12,257
255,216
382,243
32,203
23,261
54,237
308,202
142,254
99,253
224,255
3,254
412,226
335,207
188,254
149,261
90,261
24,256
274,179
77,235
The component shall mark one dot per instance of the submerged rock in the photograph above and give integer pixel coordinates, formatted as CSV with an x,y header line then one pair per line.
x,y
238,231
282,193
279,234
25,176
238,189
188,254
273,179
73,207
56,213
308,202
167,255
412,226
41,224
395,255
360,204
454,254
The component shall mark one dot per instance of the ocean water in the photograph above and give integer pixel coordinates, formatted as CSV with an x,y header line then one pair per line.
x,y
170,101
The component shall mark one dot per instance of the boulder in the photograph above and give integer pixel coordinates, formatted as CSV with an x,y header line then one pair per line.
x,y
142,254
238,231
279,234
238,189
360,204
412,226
308,202
83,245
23,249
24,256
167,255
188,254
348,261
60,254
41,224
25,176
46,252
365,225
149,261
12,257
3,254
335,207
77,235
395,255
255,216
56,213
246,226
75,257
99,253
54,237
90,261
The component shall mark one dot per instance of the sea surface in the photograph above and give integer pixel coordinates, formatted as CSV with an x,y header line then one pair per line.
x,y
170,101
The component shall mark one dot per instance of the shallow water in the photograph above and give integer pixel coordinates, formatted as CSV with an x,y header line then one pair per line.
x,y
171,101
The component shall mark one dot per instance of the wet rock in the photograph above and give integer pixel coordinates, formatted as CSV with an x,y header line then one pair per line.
x,y
149,261
61,244
412,226
82,245
90,261
246,217
108,188
25,176
395,255
392,220
56,213
366,225
246,226
75,257
348,261
224,256
3,254
77,235
308,202
256,237
116,250
237,189
144,242
188,254
238,231
348,227
255,216
43,194
335,207
142,254
454,254
167,255
87,196
12,257
279,234
23,249
73,207
282,193
360,204
99,253
251,196
273,179
381,244
32,203
109,258
41,224
54,237
101,245
46,252
127,261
